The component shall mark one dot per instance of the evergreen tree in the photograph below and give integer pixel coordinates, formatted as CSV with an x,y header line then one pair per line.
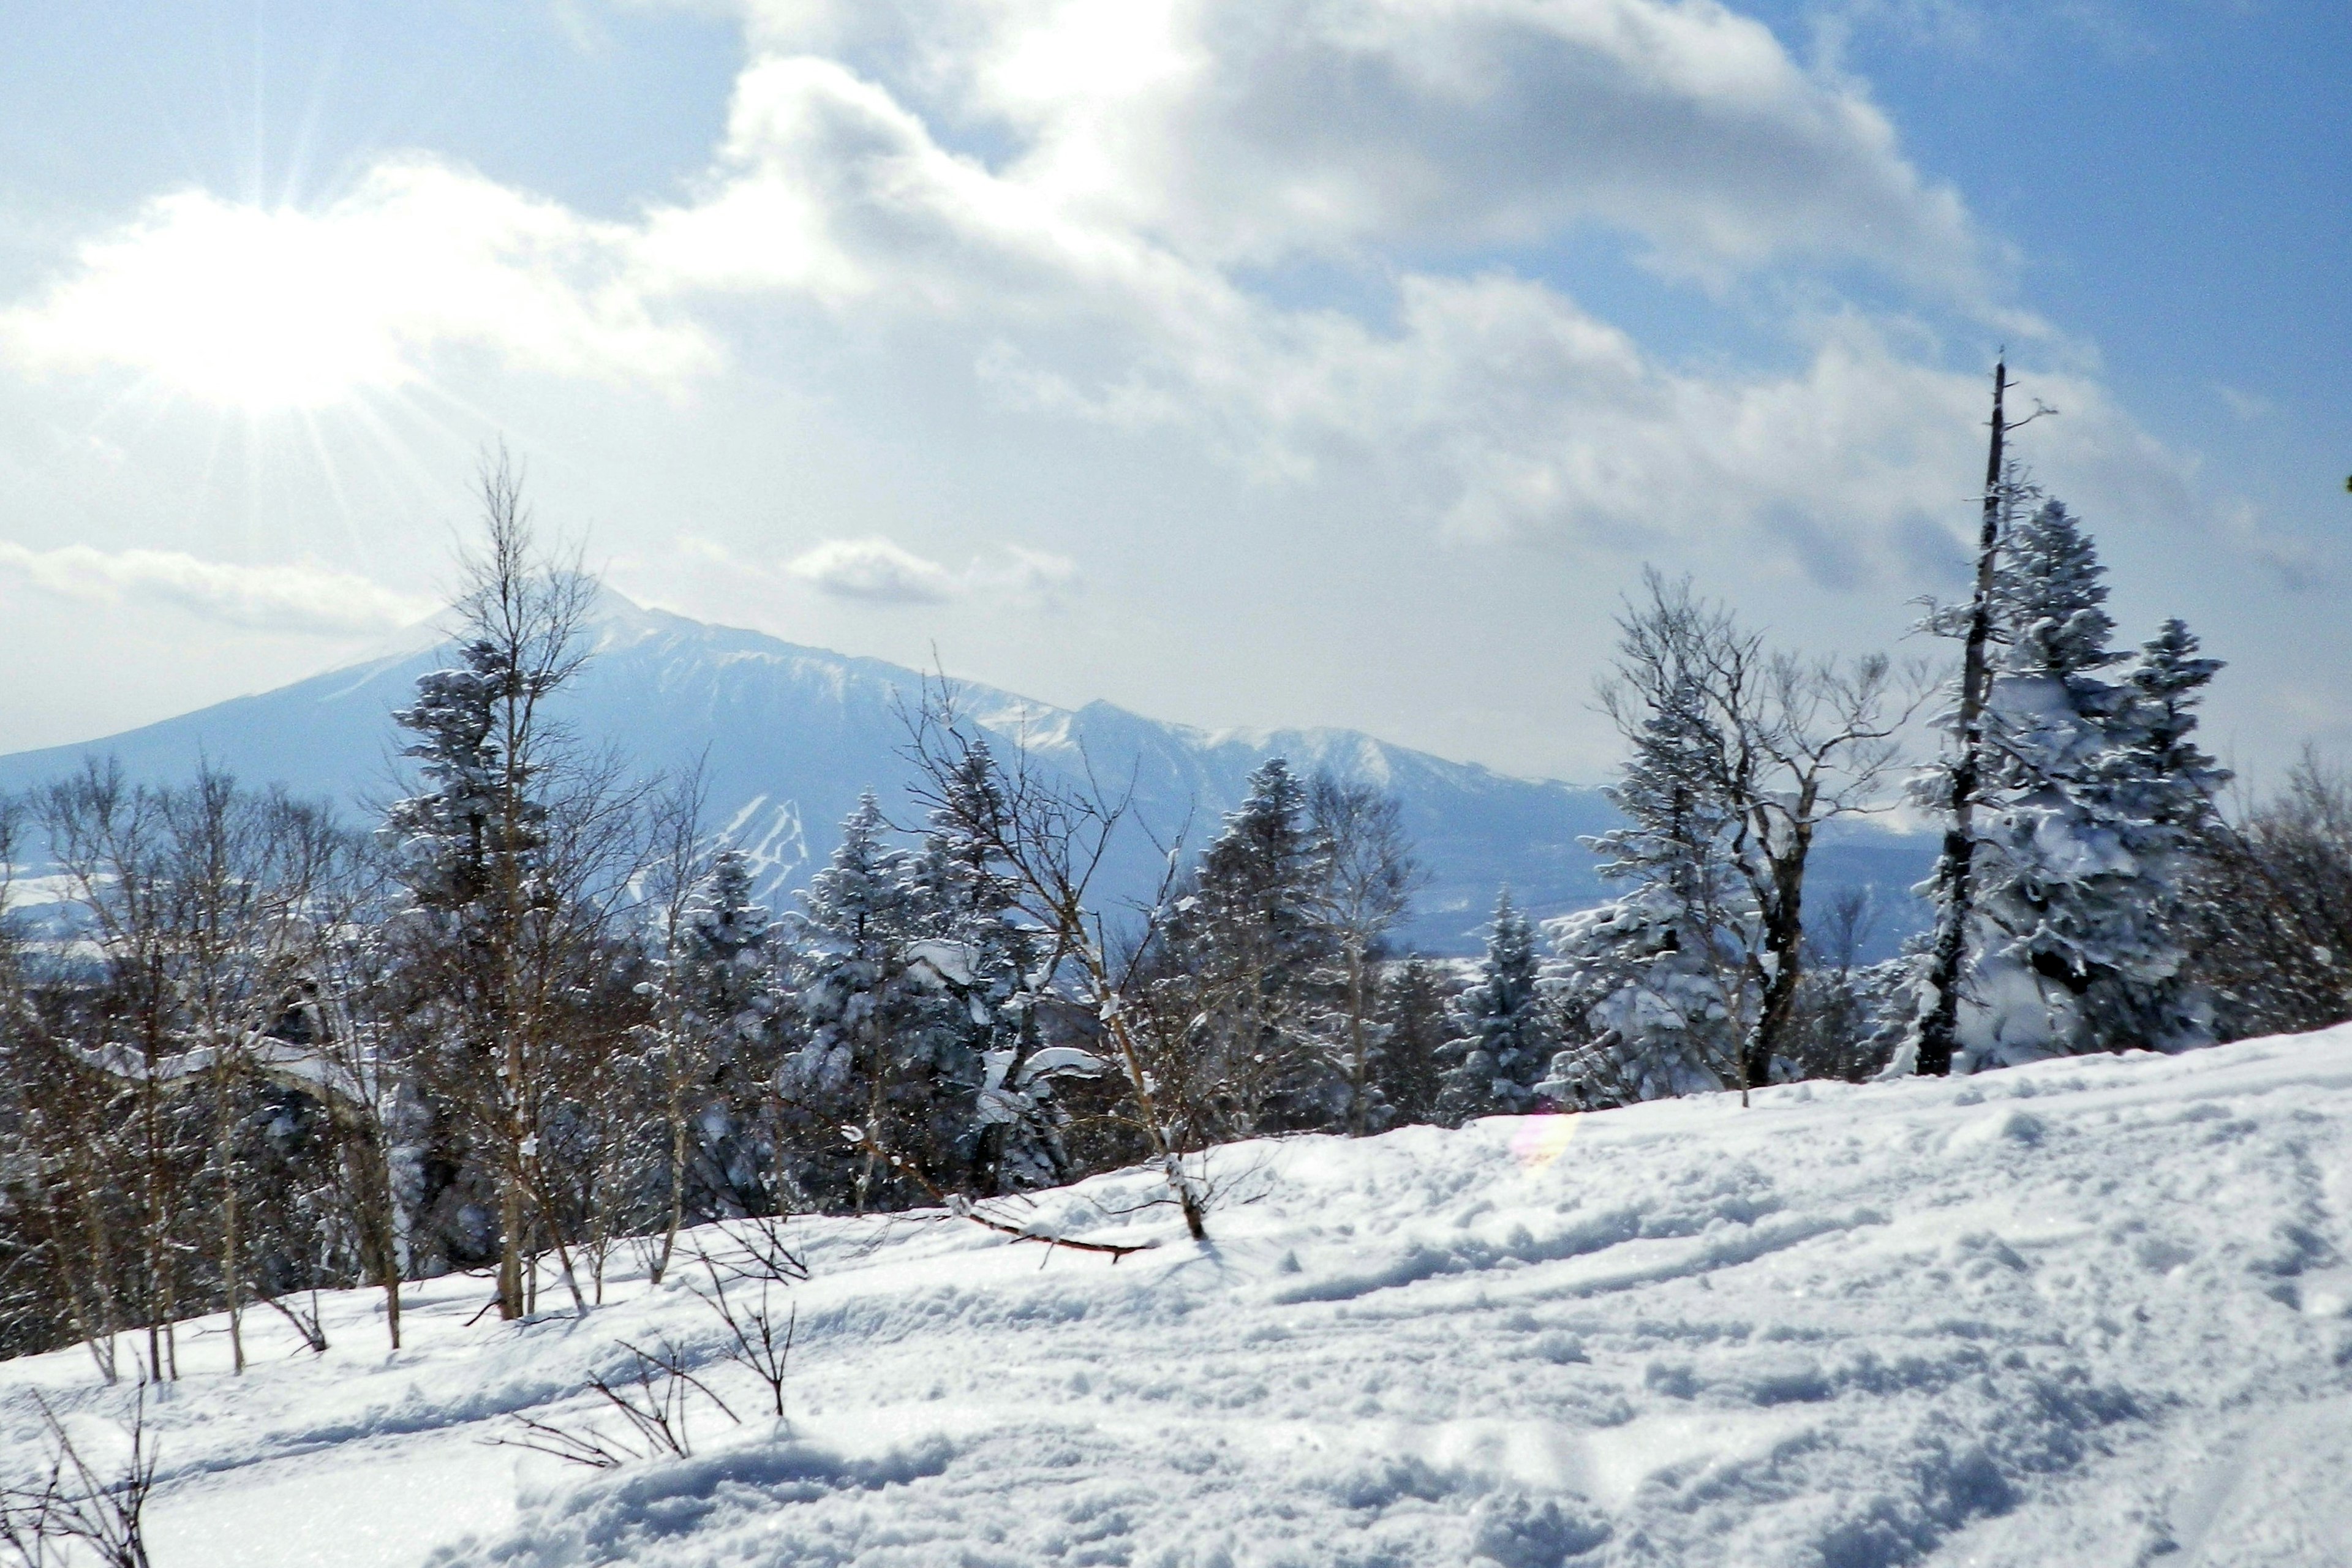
x,y
1502,1041
1408,1068
1004,1128
1250,947
870,1025
1643,1002
727,983
2094,793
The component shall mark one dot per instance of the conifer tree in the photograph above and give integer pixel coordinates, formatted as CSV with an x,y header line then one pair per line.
x,y
866,1022
1502,1042
1000,1130
2093,794
1250,946
729,987
1409,1067
1641,999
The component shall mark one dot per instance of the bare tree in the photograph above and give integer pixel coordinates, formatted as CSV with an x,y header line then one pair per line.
x,y
74,1508
653,1399
679,865
240,873
1051,836
517,852
2271,911
355,992
108,839
1742,754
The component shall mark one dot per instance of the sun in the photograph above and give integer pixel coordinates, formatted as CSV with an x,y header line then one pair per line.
x,y
255,308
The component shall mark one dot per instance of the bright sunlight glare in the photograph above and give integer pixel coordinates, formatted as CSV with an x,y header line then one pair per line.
x,y
237,305
270,308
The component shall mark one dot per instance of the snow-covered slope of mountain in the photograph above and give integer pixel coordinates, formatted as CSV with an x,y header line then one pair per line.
x,y
2095,1312
790,735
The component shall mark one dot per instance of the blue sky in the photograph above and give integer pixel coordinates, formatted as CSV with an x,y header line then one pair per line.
x,y
1246,364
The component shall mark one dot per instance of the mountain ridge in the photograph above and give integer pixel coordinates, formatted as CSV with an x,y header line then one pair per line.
x,y
791,735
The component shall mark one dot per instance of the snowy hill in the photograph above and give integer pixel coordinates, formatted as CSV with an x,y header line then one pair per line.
x,y
792,734
2095,1312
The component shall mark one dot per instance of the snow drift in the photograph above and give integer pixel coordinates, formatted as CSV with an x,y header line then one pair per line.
x,y
2093,1311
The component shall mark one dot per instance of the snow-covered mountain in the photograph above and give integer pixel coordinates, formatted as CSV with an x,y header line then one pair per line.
x,y
2095,1312
791,735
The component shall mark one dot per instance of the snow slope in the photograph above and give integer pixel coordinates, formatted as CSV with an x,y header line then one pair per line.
x,y
2096,1311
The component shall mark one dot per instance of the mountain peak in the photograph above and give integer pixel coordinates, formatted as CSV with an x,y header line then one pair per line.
x,y
790,736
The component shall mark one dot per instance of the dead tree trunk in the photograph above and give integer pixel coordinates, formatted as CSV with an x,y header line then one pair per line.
x,y
1936,1032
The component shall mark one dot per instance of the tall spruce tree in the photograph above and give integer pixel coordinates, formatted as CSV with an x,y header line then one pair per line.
x,y
870,1025
1502,1042
1252,951
2091,796
1005,1127
730,992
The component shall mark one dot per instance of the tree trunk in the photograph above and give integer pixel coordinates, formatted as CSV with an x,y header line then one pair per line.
x,y
1358,1069
1783,903
1935,1035
512,1303
225,1135
676,1159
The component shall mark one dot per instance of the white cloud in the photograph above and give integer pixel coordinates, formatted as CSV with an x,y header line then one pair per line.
x,y
1095,267
1038,574
268,307
1253,130
879,570
874,570
290,596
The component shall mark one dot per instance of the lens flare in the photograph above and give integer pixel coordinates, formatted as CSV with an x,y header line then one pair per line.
x,y
1541,1140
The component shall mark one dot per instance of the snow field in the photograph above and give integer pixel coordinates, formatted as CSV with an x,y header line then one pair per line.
x,y
2094,1312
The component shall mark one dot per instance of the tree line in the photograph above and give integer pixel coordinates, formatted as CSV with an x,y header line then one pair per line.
x,y
535,1013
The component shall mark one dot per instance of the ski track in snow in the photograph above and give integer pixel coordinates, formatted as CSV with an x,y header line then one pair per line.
x,y
2095,1311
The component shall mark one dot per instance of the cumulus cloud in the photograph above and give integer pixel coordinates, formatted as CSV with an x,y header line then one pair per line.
x,y
1252,129
1096,265
874,570
285,596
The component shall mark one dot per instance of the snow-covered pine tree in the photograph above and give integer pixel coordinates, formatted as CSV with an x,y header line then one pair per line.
x,y
1251,945
2161,787
2092,792
1502,1041
729,988
1656,985
478,808
869,1025
1003,1125
1408,1069
1642,1002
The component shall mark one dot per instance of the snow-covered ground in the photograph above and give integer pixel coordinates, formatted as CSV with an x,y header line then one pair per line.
x,y
2096,1311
